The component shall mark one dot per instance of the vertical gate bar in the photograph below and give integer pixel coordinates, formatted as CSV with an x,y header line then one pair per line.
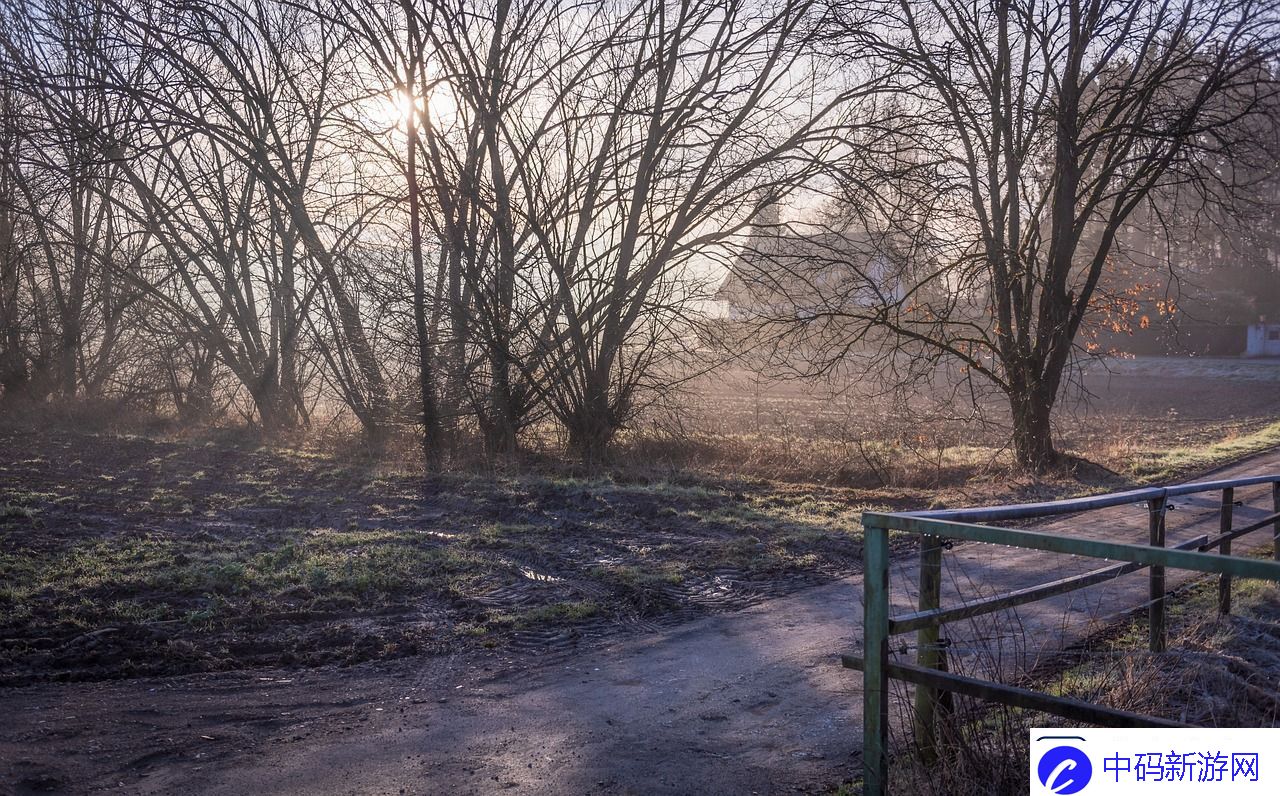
x,y
1156,508
1275,534
875,678
1224,526
927,650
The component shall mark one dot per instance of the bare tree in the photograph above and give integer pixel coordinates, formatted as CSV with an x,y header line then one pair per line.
x,y
478,317
537,230
16,356
660,129
57,185
259,81
595,165
1009,145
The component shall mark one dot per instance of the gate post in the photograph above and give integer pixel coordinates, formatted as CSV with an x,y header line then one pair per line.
x,y
875,677
928,653
1224,526
1156,508
1275,505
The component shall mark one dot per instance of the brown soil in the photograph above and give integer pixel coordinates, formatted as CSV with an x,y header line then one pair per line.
x,y
123,556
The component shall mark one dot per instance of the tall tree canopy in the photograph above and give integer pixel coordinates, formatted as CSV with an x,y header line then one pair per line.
x,y
1009,145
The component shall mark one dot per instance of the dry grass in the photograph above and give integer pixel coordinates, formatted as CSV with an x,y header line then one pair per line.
x,y
1137,425
1219,671
1149,421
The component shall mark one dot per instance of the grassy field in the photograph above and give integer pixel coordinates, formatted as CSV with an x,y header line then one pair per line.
x,y
1142,420
125,553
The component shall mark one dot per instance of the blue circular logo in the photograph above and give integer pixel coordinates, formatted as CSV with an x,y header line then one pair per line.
x,y
1064,769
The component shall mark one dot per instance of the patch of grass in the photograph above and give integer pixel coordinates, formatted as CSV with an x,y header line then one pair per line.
x,y
15,511
557,613
165,499
632,577
143,579
22,496
1217,671
272,498
504,536
822,512
18,504
428,564
644,590
1162,465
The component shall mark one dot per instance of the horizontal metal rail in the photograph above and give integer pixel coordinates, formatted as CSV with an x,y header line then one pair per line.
x,y
929,673
940,616
1024,511
1066,707
1215,486
1091,548
1236,533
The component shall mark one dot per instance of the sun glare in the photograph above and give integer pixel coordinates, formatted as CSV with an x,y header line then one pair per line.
x,y
392,110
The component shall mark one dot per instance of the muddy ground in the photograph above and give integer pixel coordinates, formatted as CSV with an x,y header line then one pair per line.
x,y
125,555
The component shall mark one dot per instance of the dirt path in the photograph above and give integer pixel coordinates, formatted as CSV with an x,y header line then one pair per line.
x,y
753,701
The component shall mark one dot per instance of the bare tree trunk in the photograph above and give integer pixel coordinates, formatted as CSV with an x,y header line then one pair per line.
x,y
593,424
376,409
13,364
502,433
1032,409
500,429
431,428
276,410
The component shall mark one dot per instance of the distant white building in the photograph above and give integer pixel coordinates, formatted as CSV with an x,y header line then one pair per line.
x,y
781,274
1263,340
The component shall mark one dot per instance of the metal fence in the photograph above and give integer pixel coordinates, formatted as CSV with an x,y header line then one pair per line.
x,y
929,673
